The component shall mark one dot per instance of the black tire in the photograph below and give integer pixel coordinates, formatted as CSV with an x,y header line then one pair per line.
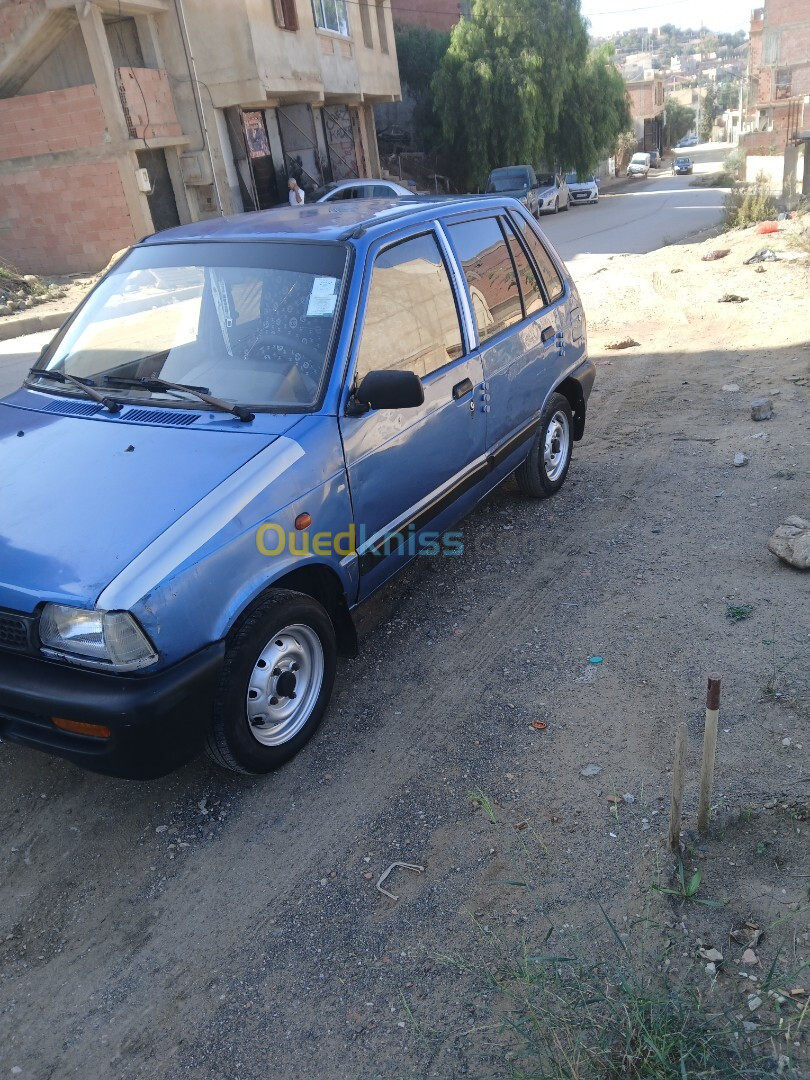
x,y
534,477
290,626
556,209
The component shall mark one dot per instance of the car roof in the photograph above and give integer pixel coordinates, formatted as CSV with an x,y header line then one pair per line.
x,y
321,221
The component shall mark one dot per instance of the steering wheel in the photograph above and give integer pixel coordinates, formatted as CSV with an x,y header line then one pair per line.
x,y
270,340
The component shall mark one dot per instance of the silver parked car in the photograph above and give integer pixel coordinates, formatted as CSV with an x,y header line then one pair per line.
x,y
553,194
582,189
361,189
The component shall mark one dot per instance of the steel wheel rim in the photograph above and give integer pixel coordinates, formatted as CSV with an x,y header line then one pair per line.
x,y
284,685
555,448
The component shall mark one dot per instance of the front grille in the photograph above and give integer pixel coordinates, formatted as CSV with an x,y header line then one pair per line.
x,y
13,632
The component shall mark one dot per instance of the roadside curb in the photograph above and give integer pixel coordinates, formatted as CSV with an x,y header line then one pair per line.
x,y
32,324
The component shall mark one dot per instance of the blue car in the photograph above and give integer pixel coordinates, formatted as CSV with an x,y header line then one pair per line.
x,y
248,427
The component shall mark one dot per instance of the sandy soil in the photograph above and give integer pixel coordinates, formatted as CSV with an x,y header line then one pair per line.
x,y
204,926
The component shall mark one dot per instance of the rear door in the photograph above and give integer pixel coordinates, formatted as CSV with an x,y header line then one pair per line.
x,y
517,328
414,471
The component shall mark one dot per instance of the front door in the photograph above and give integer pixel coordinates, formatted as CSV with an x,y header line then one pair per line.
x,y
413,472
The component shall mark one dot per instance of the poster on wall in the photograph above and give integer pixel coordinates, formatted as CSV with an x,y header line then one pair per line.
x,y
255,134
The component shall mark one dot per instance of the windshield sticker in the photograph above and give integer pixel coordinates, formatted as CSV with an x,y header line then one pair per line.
x,y
322,298
219,291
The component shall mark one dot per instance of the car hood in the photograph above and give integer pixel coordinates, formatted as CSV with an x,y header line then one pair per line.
x,y
582,185
81,497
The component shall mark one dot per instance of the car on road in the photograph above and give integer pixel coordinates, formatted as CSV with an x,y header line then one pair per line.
x,y
655,159
681,166
516,182
553,194
582,190
361,189
639,165
247,428
687,140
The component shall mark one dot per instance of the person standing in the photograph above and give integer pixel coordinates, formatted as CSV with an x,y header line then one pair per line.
x,y
297,195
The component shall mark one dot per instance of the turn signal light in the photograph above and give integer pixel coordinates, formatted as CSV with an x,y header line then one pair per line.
x,y
303,521
99,731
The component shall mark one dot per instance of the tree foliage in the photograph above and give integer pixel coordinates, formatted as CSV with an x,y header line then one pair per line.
x,y
680,121
708,114
420,51
503,82
596,110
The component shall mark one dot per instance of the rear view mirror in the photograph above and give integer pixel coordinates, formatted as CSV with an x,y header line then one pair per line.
x,y
390,390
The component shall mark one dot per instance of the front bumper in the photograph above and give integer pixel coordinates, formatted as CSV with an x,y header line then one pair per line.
x,y
582,198
157,722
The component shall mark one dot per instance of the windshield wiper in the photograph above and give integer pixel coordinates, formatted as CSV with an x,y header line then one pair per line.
x,y
85,385
245,415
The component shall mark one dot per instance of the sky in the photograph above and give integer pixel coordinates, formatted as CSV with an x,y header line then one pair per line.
x,y
608,16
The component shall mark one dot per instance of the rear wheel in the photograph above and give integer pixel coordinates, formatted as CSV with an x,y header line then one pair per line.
x,y
276,682
544,471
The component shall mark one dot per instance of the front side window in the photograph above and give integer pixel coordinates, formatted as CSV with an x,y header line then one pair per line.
x,y
250,323
411,322
490,275
543,261
331,15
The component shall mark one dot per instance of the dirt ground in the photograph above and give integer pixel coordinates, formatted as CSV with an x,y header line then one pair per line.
x,y
206,926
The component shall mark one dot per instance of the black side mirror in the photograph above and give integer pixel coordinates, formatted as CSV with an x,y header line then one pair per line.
x,y
387,390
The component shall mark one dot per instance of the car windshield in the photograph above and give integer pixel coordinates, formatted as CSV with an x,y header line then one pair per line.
x,y
545,179
250,323
640,159
507,180
575,178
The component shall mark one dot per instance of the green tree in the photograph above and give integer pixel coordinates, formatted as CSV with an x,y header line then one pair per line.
x,y
708,113
419,53
503,81
680,121
596,110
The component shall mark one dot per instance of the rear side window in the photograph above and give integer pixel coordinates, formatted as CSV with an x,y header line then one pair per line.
x,y
529,285
411,321
548,271
490,275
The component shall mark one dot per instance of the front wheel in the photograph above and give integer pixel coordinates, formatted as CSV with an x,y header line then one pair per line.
x,y
545,469
276,682
556,206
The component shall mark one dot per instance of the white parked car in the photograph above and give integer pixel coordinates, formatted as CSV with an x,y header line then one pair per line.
x,y
552,194
361,189
639,165
582,189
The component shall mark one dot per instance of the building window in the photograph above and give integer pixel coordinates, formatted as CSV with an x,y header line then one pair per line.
x,y
380,4
365,21
331,15
782,84
286,14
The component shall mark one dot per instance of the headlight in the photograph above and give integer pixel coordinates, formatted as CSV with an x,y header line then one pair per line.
x,y
103,638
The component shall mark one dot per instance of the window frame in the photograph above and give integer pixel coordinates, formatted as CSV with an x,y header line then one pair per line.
x,y
505,220
319,11
493,215
286,15
560,274
431,228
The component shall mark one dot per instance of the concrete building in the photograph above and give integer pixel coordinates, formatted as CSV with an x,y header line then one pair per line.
x,y
778,105
121,117
647,109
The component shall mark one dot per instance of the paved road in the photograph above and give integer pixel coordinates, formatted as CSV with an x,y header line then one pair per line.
x,y
639,215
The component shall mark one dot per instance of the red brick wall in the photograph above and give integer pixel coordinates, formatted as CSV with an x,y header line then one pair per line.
x,y
437,14
46,123
63,219
148,101
16,18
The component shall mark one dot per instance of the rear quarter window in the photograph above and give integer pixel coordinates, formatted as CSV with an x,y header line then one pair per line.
x,y
548,271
